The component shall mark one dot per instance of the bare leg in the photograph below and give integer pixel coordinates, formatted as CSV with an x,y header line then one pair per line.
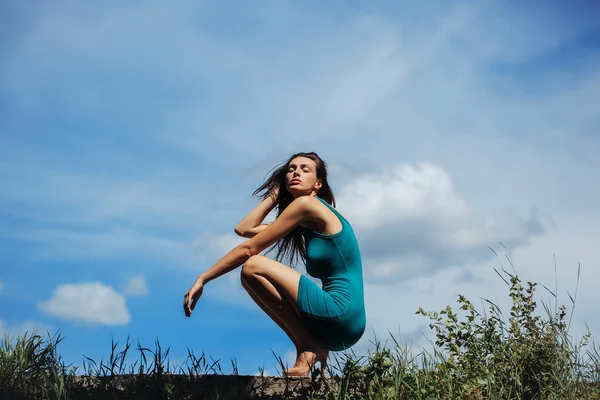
x,y
270,313
274,287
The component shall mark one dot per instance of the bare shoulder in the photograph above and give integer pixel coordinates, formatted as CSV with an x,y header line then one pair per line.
x,y
307,209
306,204
316,215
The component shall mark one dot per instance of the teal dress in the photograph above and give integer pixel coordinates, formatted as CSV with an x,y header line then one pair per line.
x,y
334,313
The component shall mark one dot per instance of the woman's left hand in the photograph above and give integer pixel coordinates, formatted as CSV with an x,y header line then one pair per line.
x,y
191,297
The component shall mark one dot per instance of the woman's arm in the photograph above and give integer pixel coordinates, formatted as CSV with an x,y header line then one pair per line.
x,y
296,213
251,224
300,210
250,233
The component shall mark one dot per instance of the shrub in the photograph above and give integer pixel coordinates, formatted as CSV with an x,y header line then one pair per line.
x,y
528,356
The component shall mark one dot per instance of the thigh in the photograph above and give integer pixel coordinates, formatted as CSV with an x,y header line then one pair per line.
x,y
284,278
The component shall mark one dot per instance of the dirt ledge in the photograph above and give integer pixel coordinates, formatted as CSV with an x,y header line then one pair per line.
x,y
204,387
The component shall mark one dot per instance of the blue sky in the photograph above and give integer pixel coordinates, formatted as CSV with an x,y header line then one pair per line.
x,y
132,137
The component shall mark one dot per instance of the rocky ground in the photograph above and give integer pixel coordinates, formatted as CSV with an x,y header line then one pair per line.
x,y
205,387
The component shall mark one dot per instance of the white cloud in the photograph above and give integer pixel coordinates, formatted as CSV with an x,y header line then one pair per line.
x,y
91,303
402,193
136,286
411,222
391,306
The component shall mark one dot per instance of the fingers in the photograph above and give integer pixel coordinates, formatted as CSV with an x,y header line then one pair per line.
x,y
189,300
189,303
186,305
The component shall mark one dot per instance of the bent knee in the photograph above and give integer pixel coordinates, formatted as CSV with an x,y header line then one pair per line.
x,y
252,266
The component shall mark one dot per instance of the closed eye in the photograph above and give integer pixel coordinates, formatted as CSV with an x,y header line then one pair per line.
x,y
305,168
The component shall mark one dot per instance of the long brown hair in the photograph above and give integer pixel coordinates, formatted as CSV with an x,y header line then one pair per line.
x,y
292,245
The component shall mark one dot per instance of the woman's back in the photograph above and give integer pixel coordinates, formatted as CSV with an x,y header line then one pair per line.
x,y
336,261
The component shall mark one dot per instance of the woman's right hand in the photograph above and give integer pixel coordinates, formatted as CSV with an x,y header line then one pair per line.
x,y
191,297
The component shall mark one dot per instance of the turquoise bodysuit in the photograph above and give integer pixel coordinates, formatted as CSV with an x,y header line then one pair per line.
x,y
334,314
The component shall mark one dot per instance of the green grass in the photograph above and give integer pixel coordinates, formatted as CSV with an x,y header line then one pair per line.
x,y
522,353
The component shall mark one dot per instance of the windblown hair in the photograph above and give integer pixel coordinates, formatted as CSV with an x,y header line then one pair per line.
x,y
292,245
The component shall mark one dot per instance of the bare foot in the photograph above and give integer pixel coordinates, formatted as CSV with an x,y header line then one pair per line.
x,y
306,360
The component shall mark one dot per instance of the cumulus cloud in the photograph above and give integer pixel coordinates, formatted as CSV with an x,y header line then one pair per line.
x,y
91,303
136,286
410,222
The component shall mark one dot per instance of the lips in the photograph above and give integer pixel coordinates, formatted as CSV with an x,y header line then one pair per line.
x,y
294,181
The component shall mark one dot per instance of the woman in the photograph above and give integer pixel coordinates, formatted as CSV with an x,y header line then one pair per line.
x,y
316,319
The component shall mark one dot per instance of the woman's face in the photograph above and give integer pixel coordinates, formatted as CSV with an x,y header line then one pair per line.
x,y
301,177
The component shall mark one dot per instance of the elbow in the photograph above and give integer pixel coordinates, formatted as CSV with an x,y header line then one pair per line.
x,y
242,232
247,251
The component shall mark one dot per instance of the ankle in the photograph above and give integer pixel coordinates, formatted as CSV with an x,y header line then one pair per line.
x,y
311,356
